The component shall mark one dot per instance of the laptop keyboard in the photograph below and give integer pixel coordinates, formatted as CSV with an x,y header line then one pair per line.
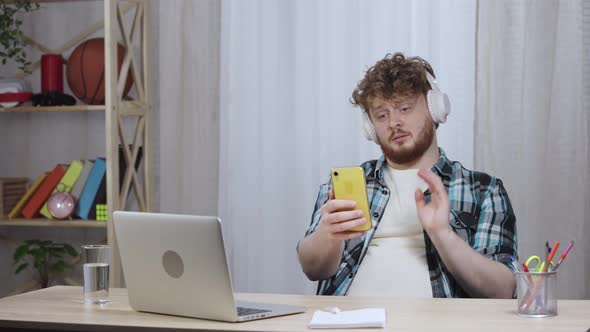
x,y
250,311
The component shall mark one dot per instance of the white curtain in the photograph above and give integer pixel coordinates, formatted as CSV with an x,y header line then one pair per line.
x,y
287,72
532,123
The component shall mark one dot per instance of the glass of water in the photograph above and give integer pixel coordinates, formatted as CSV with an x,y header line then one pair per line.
x,y
96,273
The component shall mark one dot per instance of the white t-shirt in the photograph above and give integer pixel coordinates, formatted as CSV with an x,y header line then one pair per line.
x,y
395,262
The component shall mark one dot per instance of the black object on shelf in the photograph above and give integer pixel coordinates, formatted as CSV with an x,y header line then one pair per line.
x,y
53,99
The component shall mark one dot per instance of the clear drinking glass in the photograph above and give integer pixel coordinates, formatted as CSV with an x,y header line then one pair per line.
x,y
536,294
96,259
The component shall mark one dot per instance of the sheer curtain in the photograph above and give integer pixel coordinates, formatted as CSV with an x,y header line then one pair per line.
x,y
287,71
532,123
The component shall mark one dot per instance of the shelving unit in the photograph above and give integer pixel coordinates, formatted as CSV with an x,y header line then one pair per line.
x,y
116,111
21,222
33,109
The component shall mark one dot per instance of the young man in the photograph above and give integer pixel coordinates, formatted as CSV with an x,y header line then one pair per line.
x,y
438,229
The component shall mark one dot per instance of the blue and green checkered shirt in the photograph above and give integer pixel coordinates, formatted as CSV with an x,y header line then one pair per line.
x,y
481,214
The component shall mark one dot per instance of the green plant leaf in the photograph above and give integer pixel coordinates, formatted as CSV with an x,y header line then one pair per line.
x,y
37,253
20,252
59,266
21,267
11,36
56,249
38,265
45,256
71,251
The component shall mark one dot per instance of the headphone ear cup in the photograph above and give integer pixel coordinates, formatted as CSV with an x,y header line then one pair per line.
x,y
368,129
439,105
438,102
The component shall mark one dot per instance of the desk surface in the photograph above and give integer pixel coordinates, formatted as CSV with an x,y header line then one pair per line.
x,y
60,308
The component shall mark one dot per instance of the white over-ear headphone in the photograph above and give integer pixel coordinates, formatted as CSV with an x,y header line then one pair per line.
x,y
438,103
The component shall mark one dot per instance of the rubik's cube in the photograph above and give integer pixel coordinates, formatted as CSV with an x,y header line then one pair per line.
x,y
101,212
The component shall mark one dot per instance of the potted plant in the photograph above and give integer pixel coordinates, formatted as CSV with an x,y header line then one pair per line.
x,y
12,40
47,257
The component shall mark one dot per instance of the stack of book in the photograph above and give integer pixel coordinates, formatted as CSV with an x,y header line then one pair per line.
x,y
85,180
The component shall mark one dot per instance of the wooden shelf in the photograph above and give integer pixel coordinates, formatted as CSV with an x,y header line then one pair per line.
x,y
31,109
49,1
52,223
134,31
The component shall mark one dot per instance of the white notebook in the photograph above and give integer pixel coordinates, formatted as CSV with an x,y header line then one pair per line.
x,y
372,317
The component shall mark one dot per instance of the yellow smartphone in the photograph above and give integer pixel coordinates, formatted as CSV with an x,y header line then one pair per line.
x,y
350,184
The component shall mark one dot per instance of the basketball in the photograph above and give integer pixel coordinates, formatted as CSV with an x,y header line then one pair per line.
x,y
85,71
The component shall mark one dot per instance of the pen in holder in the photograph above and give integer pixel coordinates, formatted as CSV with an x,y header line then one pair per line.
x,y
536,293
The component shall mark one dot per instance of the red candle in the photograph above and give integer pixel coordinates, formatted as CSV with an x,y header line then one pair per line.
x,y
52,78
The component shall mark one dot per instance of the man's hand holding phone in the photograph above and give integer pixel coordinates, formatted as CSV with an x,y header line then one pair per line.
x,y
339,217
344,216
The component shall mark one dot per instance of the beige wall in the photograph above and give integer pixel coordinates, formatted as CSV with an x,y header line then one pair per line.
x,y
187,83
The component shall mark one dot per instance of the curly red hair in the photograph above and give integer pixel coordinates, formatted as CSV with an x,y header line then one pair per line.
x,y
393,77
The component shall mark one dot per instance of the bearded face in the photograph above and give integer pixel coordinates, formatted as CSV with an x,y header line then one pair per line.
x,y
405,129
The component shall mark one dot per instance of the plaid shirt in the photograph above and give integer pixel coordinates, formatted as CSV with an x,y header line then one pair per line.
x,y
481,214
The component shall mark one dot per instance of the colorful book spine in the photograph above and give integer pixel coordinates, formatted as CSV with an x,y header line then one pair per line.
x,y
91,188
77,190
66,183
31,209
16,210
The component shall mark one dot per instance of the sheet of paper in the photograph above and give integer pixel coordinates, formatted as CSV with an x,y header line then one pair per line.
x,y
371,317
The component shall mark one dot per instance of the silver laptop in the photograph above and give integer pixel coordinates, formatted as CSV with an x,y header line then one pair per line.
x,y
176,264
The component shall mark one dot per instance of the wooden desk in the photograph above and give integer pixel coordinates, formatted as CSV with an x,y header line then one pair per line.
x,y
60,308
